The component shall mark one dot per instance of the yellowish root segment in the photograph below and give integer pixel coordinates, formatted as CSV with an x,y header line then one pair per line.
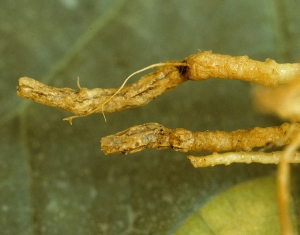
x,y
69,119
241,157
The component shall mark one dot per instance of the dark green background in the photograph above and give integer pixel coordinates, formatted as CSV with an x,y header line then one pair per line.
x,y
54,179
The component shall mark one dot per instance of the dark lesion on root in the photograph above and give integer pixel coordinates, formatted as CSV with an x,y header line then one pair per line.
x,y
182,69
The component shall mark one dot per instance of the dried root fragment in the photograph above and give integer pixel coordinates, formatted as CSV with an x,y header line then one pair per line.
x,y
86,101
153,135
240,157
196,67
137,138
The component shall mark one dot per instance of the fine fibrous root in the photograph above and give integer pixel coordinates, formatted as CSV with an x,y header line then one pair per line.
x,y
153,135
167,76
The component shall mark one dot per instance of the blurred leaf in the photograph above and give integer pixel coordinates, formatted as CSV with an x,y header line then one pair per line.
x,y
247,208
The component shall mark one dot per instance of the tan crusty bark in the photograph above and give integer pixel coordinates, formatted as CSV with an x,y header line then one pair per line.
x,y
200,66
154,135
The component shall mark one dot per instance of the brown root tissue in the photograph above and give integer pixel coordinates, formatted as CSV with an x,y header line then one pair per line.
x,y
85,101
198,67
154,135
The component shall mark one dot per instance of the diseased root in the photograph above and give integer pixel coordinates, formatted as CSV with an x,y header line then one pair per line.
x,y
282,101
101,106
167,76
86,101
154,135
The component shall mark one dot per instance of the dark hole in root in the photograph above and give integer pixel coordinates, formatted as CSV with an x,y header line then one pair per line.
x,y
182,69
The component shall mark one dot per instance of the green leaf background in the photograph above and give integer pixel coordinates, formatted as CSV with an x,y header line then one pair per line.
x,y
54,179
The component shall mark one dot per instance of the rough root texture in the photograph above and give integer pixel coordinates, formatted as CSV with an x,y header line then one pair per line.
x,y
198,67
154,135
